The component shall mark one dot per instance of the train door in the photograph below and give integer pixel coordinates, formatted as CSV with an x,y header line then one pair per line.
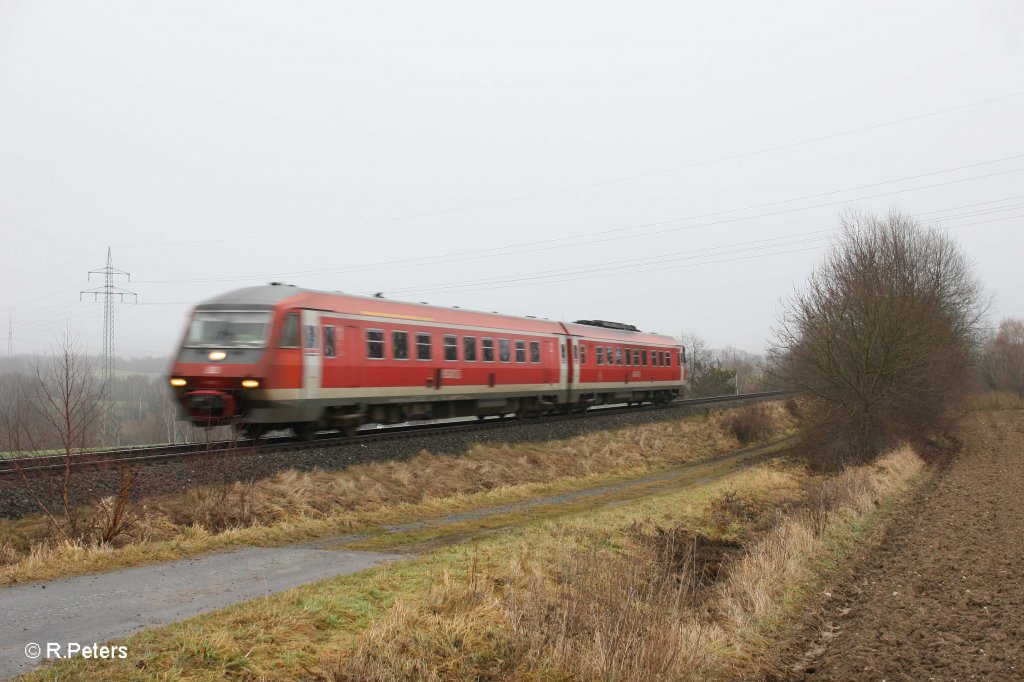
x,y
312,359
564,366
573,384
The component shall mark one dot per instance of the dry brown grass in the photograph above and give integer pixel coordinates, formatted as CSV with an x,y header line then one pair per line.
x,y
997,400
303,504
640,602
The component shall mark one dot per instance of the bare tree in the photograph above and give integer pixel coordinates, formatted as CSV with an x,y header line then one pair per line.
x,y
882,337
707,375
1003,363
59,409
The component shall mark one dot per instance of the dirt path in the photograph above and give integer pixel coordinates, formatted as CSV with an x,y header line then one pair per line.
x,y
942,597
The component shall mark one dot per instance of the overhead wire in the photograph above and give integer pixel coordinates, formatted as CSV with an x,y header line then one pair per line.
x,y
557,242
601,183
615,269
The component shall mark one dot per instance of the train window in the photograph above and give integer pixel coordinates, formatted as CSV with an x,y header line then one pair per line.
x,y
400,345
328,342
656,358
289,332
504,350
520,351
668,359
375,344
451,348
534,351
636,357
599,351
618,356
487,348
610,354
643,357
583,354
311,338
423,346
469,348
629,357
575,352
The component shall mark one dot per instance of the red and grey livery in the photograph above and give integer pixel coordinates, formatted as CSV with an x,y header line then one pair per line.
x,y
277,356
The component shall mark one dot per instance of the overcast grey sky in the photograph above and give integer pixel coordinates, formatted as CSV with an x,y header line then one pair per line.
x,y
675,165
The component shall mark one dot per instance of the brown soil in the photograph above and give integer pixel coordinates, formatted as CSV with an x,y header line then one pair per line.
x,y
941,597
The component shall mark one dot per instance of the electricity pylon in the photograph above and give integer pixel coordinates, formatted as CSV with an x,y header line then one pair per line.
x,y
108,291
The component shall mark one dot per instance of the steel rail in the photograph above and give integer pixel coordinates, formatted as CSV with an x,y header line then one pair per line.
x,y
23,466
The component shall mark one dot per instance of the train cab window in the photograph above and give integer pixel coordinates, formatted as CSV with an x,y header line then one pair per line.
x,y
289,332
328,341
629,357
400,345
618,356
534,351
423,346
583,354
487,349
375,344
469,348
520,351
451,348
504,350
599,351
643,357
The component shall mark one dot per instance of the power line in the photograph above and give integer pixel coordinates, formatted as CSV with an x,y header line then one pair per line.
x,y
601,183
634,266
562,242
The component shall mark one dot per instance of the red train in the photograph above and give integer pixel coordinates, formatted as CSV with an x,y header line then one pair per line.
x,y
277,356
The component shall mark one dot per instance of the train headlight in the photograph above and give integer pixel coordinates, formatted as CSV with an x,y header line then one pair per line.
x,y
178,382
217,355
250,383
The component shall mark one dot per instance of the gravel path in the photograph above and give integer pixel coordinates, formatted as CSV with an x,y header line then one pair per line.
x,y
98,608
942,597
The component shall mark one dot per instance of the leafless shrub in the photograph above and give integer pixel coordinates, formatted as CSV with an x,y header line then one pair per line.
x,y
882,337
115,516
750,423
793,407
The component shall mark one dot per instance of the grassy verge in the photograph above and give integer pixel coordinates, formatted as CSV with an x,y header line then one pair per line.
x,y
296,506
684,583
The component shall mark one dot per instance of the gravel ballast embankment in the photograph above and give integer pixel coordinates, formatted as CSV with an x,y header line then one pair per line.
x,y
20,497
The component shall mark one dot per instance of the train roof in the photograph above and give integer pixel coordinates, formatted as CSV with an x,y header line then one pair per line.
x,y
271,295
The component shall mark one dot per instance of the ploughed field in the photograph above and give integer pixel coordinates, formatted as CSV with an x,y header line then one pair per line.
x,y
941,597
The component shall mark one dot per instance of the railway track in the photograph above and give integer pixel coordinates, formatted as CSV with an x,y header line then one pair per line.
x,y
44,464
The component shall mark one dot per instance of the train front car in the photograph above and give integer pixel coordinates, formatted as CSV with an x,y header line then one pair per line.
x,y
219,375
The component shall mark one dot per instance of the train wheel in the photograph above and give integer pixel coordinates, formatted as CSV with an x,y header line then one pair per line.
x,y
251,431
305,431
